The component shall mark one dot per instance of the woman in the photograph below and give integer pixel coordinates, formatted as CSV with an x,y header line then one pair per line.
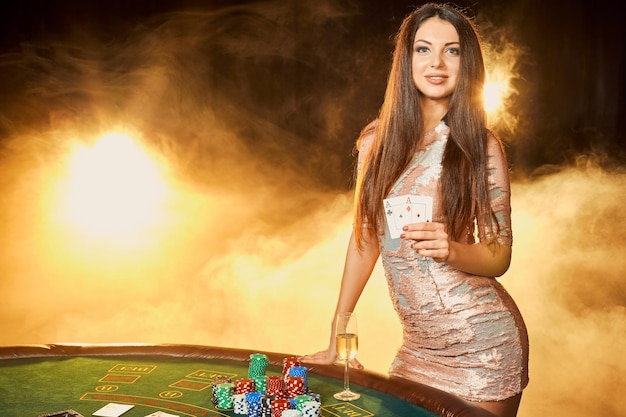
x,y
462,332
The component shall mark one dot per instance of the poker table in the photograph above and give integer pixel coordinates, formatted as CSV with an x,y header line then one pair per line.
x,y
73,380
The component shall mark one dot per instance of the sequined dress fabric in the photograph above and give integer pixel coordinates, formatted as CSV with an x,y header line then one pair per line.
x,y
462,333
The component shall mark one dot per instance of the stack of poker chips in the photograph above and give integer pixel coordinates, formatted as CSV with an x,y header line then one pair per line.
x,y
301,372
224,394
216,381
240,404
261,395
278,405
244,385
288,363
266,406
275,385
258,364
256,370
294,376
253,400
295,386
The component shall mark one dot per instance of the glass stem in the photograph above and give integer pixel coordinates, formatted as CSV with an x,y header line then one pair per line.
x,y
346,378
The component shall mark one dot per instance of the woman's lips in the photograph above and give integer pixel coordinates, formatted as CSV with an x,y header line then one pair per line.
x,y
436,79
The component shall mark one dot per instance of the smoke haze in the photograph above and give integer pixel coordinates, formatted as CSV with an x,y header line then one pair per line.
x,y
251,113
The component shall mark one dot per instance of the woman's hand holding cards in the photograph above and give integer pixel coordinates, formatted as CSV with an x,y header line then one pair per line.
x,y
430,238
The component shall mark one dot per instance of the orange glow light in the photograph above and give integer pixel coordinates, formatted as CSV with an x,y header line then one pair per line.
x,y
113,188
493,95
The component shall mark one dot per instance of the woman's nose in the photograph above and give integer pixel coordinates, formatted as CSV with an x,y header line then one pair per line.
x,y
436,61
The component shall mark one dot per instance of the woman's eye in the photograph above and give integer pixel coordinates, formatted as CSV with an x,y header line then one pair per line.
x,y
453,51
421,49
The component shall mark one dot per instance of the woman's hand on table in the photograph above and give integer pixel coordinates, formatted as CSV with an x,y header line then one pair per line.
x,y
327,357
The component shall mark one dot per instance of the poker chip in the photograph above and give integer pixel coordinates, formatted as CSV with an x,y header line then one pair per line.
x,y
288,363
278,405
260,383
266,406
291,413
258,364
300,399
310,409
315,396
254,397
240,404
244,385
216,381
301,371
254,403
224,394
275,385
295,386
254,410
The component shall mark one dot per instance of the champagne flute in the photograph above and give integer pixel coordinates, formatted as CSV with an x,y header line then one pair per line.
x,y
347,346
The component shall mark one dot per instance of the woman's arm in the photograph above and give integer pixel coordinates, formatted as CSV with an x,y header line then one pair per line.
x,y
358,268
481,259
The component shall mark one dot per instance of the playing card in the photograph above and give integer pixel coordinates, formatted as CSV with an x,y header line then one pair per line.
x,y
405,209
161,414
113,410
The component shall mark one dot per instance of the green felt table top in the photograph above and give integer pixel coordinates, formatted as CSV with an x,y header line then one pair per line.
x,y
31,387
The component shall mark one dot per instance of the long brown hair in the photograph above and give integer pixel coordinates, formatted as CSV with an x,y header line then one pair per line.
x,y
464,192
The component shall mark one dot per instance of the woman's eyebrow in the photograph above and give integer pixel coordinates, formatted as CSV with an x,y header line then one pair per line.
x,y
430,43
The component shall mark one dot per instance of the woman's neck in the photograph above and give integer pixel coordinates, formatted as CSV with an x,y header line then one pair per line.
x,y
432,113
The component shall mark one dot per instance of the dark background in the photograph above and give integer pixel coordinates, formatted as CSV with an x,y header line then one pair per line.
x,y
570,84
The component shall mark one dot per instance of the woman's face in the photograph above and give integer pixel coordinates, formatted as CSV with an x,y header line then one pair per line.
x,y
436,59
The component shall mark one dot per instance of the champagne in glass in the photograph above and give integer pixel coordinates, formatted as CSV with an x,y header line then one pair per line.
x,y
347,346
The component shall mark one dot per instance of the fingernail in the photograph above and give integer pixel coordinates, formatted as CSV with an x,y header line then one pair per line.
x,y
405,228
403,235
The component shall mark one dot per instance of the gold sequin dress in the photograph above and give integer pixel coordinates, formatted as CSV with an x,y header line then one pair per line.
x,y
462,333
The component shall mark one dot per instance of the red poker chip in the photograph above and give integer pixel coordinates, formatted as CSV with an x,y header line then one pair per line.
x,y
295,386
244,385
